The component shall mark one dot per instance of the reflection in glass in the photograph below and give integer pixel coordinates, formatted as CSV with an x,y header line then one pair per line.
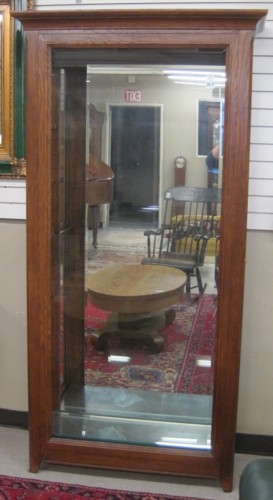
x,y
133,354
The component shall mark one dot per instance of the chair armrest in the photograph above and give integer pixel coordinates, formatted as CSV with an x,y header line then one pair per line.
x,y
152,236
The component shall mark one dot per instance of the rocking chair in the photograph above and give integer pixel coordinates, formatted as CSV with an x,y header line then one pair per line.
x,y
188,233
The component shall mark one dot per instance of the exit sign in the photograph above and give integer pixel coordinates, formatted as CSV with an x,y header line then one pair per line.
x,y
131,95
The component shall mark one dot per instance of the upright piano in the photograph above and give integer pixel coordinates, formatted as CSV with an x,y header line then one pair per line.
x,y
99,190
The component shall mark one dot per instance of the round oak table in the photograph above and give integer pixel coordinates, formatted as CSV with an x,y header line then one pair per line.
x,y
139,297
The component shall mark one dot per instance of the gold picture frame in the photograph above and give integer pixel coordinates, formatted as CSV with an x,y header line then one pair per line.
x,y
6,95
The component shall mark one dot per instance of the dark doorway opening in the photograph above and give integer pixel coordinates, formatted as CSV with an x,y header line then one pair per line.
x,y
135,159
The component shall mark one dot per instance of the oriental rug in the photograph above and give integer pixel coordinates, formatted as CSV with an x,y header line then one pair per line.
x,y
14,488
185,364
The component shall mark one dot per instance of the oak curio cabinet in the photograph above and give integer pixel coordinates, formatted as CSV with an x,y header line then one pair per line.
x,y
98,405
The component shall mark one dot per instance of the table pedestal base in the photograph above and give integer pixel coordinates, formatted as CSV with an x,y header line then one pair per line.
x,y
134,330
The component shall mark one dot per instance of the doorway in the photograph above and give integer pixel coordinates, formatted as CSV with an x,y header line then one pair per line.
x,y
135,160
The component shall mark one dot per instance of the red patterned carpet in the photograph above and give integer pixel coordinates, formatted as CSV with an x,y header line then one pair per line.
x,y
188,339
13,488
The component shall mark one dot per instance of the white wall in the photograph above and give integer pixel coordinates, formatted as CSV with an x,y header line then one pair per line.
x,y
12,199
255,411
13,317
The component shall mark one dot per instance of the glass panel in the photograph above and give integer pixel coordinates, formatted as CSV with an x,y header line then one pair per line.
x,y
135,253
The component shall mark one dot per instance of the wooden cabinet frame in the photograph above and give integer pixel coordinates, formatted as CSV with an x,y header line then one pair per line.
x,y
233,30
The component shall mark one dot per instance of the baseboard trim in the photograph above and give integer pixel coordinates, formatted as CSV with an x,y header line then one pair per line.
x,y
14,418
254,444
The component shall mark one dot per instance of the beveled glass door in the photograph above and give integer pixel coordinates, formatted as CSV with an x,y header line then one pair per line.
x,y
125,389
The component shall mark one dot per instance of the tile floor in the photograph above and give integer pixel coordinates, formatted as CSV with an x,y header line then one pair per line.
x,y
14,462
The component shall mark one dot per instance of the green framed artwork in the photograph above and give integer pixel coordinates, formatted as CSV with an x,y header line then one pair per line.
x,y
12,102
